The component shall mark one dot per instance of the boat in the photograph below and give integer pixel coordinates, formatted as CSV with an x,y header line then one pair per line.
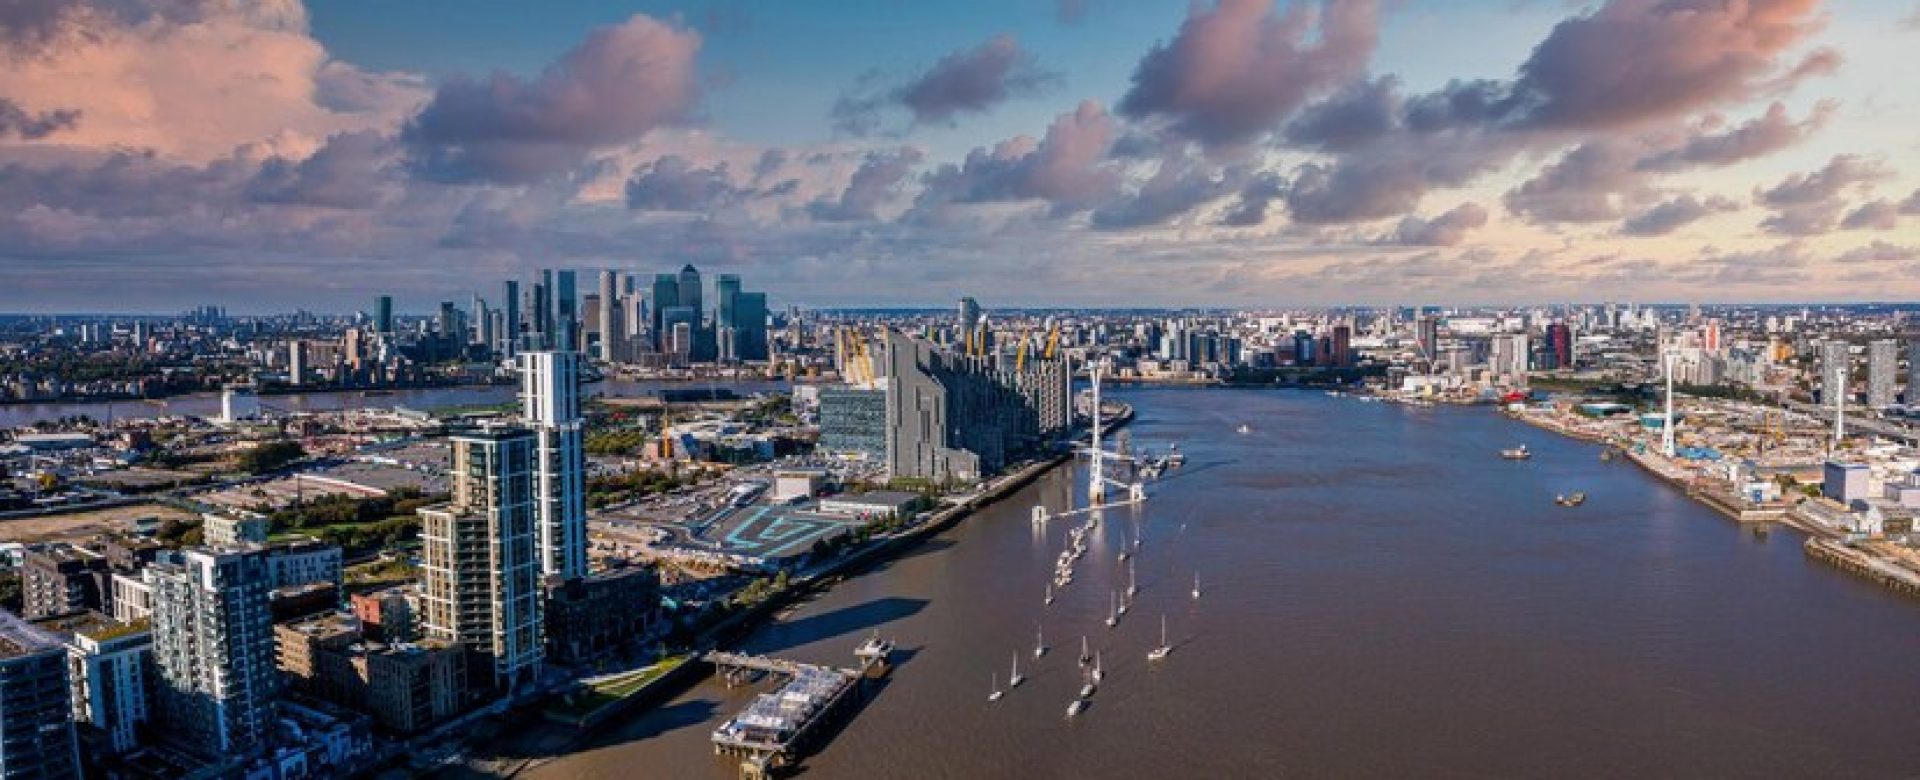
x,y
1087,690
1123,605
1050,594
1086,655
1113,611
995,693
1099,672
1039,642
1244,428
874,647
1572,500
1516,453
1015,679
1078,706
1133,582
1606,455
1196,586
1175,457
1165,649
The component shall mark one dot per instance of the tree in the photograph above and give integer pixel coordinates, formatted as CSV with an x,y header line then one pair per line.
x,y
270,456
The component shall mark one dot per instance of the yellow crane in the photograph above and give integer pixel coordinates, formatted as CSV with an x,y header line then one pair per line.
x,y
1020,357
1053,342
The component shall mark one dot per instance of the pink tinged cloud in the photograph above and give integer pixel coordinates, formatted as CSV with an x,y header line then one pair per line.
x,y
620,83
1236,69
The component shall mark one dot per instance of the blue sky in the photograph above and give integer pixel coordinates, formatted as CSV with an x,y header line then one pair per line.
x,y
1145,152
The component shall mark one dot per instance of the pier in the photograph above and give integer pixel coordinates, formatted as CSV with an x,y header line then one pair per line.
x,y
773,731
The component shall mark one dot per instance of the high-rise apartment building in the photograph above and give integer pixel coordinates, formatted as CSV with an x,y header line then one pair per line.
x,y
36,711
57,579
550,403
1835,371
480,558
612,331
566,311
213,648
509,335
108,664
1883,364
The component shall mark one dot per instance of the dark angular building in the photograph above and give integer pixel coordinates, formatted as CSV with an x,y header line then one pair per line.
x,y
601,614
59,579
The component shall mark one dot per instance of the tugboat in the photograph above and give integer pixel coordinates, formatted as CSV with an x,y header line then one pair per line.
x,y
875,649
1245,428
1573,500
1517,453
1174,456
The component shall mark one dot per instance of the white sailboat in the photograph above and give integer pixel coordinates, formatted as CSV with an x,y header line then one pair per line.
x,y
1165,649
1099,671
1016,679
1196,586
995,693
1086,655
1039,642
1133,581
1113,611
1049,594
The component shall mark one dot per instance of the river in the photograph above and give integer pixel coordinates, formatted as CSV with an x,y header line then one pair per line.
x,y
1383,596
422,398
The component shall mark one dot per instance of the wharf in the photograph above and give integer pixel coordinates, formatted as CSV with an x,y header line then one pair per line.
x,y
1859,563
770,733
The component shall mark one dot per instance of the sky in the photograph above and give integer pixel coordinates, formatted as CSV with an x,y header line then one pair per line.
x,y
269,155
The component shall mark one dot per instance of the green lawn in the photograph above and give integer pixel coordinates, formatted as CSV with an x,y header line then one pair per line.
x,y
607,690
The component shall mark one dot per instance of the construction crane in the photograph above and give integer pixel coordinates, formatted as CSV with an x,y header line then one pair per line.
x,y
1053,342
1020,357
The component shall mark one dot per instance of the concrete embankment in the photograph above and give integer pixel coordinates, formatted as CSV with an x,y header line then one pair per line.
x,y
1862,564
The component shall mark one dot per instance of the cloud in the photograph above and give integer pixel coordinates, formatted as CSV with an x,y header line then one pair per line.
x,y
1071,11
1875,215
190,80
1911,206
1811,203
1671,215
1769,133
1250,209
970,81
1632,61
1359,114
873,184
1581,187
349,172
1178,186
16,121
1448,229
1067,168
1236,69
672,183
621,82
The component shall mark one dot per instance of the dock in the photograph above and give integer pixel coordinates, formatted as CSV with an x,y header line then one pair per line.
x,y
774,730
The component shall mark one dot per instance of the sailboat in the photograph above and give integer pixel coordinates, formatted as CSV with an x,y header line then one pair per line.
x,y
1124,555
1165,649
995,693
1039,642
1196,586
1088,688
1113,611
1125,604
1076,707
1015,680
1049,594
1133,582
1086,655
1099,672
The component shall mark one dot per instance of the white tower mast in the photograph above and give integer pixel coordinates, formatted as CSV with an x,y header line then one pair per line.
x,y
1666,425
1096,470
1839,415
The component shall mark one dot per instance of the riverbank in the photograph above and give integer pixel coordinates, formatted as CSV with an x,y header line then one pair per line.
x,y
552,739
1823,543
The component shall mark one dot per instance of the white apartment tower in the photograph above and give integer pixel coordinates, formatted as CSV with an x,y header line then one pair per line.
x,y
213,648
550,403
480,568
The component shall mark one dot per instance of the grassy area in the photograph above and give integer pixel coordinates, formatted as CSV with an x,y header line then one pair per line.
x,y
613,688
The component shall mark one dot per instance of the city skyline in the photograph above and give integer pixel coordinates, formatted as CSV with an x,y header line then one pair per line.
x,y
1106,152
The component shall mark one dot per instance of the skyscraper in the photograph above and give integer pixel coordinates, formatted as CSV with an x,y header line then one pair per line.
x,y
725,288
480,566
36,713
566,311
1835,373
1883,363
509,336
1913,372
383,315
612,332
969,321
666,295
1426,337
296,362
690,293
213,648
550,402
750,326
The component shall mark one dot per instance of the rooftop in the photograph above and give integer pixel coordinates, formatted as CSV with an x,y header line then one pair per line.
x,y
21,638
